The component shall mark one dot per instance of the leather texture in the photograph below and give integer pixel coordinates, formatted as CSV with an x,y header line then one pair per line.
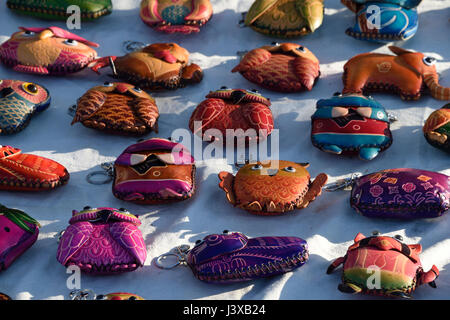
x,y
285,67
271,188
176,16
437,128
118,108
27,172
397,265
47,51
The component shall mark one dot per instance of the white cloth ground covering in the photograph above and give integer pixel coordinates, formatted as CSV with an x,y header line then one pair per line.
x,y
328,224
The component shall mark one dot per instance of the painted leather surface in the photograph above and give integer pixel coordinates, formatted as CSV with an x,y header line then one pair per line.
x,y
233,109
176,16
285,67
57,9
103,241
406,73
47,51
154,171
271,188
398,265
351,124
157,66
27,172
118,108
437,128
226,258
18,232
401,193
285,18
19,101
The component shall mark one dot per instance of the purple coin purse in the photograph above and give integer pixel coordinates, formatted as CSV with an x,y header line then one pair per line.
x,y
233,257
18,232
102,241
401,193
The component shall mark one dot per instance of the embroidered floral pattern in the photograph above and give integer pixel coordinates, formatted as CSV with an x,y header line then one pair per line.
x,y
409,187
376,191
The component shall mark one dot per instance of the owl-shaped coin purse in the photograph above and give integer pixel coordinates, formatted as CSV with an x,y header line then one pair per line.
x,y
117,108
351,124
237,109
60,9
47,51
180,16
402,193
19,101
102,241
233,257
383,20
28,172
154,171
271,187
18,232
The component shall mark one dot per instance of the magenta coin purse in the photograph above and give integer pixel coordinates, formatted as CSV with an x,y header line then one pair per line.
x,y
18,232
102,241
400,193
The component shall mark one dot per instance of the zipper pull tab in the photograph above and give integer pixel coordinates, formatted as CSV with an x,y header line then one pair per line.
x,y
344,184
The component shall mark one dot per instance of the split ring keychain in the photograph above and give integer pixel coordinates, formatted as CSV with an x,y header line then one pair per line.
x,y
232,257
152,171
402,193
90,295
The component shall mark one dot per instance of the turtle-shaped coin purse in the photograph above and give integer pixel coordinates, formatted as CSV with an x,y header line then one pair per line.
x,y
58,9
90,295
401,193
154,171
384,266
47,51
27,172
285,18
245,112
351,124
156,66
271,187
437,128
285,67
18,232
19,101
233,257
383,20
102,241
118,108
176,16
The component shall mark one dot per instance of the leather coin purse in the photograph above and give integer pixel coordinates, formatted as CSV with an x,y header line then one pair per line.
x,y
19,101
90,295
396,266
437,128
285,67
18,232
27,172
57,9
285,18
271,188
398,193
156,66
4,297
351,124
102,241
233,257
383,20
154,171
179,16
118,108
406,73
236,109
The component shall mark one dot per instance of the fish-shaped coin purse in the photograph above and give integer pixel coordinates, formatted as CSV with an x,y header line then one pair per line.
x,y
233,257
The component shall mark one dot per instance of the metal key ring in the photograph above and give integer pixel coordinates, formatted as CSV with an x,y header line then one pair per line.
x,y
108,178
160,265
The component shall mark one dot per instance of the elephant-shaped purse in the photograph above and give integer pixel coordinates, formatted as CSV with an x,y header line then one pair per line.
x,y
406,73
383,20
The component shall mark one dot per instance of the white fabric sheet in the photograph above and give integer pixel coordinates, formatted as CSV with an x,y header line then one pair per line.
x,y
328,224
